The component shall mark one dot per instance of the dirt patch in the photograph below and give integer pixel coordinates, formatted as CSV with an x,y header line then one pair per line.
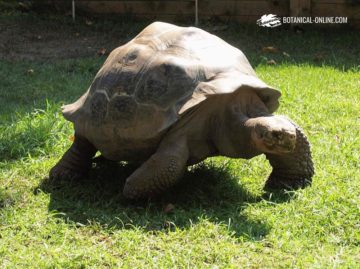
x,y
29,38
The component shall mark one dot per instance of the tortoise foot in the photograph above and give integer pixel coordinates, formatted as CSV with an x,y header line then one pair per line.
x,y
75,163
61,173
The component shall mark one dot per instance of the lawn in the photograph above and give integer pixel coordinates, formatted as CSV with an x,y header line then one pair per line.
x,y
219,216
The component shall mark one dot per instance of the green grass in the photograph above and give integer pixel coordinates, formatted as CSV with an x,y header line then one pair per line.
x,y
222,217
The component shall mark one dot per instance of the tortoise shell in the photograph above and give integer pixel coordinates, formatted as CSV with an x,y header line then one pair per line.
x,y
146,85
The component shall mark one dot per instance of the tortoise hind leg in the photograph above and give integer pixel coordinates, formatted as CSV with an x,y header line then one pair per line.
x,y
161,171
76,162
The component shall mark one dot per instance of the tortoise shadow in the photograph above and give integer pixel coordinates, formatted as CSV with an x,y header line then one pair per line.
x,y
207,192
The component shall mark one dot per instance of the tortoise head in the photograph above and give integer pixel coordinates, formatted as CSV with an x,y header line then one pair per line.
x,y
272,134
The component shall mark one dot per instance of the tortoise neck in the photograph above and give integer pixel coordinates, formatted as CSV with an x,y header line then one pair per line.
x,y
232,136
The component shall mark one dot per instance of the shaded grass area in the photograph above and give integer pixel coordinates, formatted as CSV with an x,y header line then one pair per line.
x,y
221,215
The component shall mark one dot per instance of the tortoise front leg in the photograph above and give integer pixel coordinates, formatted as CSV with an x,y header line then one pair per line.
x,y
292,170
161,171
76,162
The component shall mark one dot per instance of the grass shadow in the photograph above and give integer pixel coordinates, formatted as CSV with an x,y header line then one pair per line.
x,y
206,192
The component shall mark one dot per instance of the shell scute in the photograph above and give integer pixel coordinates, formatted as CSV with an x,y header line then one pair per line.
x,y
122,109
166,85
98,106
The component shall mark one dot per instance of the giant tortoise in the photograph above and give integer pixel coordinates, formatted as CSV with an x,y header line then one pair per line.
x,y
173,96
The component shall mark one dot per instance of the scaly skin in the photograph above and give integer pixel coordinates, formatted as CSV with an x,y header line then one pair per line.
x,y
155,176
292,170
76,162
161,171
287,149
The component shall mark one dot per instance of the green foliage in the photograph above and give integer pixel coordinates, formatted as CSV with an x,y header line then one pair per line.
x,y
33,134
222,218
